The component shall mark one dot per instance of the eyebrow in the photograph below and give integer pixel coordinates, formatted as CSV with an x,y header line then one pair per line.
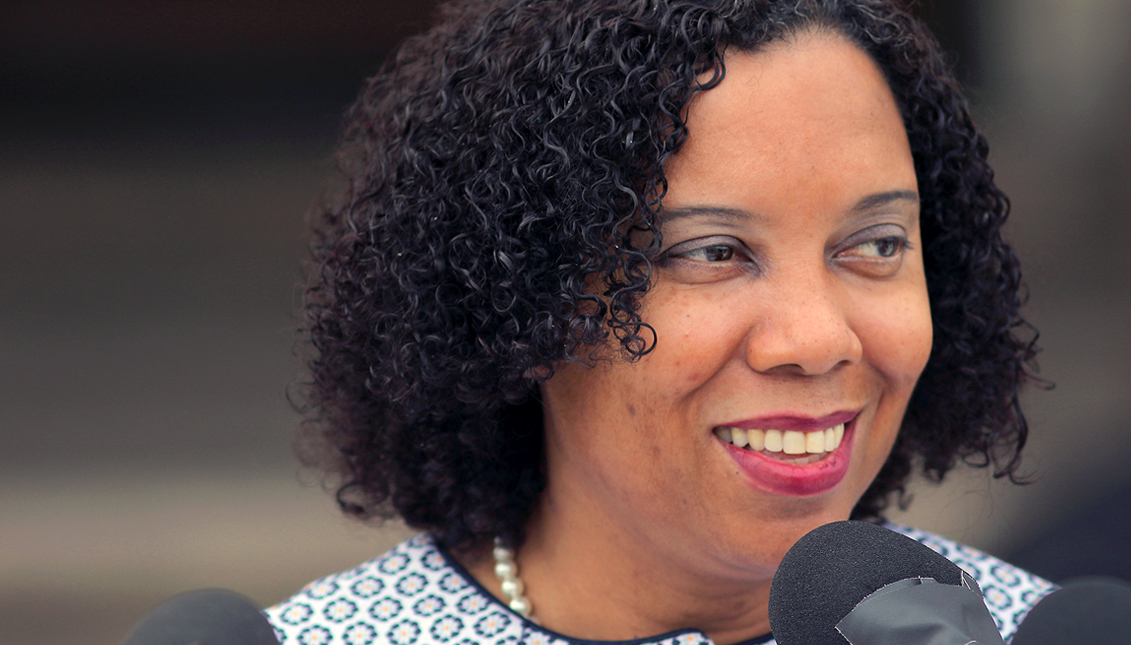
x,y
883,199
736,214
720,212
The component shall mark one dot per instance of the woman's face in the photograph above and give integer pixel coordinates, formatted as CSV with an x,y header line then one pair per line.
x,y
791,313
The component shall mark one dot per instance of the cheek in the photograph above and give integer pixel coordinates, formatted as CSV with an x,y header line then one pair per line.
x,y
581,397
897,340
697,333
596,415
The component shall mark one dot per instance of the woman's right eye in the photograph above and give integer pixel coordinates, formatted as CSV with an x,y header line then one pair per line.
x,y
711,250
713,253
706,259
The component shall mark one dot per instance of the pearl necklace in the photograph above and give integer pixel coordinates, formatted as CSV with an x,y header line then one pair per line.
x,y
507,572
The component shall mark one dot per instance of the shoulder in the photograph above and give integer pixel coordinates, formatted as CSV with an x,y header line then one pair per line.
x,y
1009,592
416,595
412,595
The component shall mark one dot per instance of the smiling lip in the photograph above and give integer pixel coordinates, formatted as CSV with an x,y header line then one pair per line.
x,y
782,478
791,422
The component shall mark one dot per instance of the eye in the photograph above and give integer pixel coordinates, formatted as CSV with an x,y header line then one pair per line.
x,y
718,249
877,251
887,247
713,253
706,259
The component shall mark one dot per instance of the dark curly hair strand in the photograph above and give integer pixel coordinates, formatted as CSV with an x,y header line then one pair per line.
x,y
502,171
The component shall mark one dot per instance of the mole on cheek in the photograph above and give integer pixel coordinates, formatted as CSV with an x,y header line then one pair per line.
x,y
631,410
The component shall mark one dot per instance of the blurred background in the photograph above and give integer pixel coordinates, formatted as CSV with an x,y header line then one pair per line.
x,y
156,165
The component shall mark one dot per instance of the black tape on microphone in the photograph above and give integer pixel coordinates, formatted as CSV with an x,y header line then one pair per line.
x,y
859,583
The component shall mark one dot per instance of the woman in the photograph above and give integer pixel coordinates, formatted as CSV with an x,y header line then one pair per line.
x,y
642,291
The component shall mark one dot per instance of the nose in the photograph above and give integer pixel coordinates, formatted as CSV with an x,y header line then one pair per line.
x,y
806,330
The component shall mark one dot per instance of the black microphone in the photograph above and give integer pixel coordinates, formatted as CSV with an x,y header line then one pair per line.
x,y
1088,611
862,584
205,617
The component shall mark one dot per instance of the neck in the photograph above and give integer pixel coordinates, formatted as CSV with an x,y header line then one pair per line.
x,y
593,580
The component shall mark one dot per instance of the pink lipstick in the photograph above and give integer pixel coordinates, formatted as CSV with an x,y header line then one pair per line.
x,y
792,455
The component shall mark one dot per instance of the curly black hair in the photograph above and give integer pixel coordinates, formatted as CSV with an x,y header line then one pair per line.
x,y
498,170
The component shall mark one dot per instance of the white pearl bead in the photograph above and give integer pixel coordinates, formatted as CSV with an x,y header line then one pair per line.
x,y
505,569
520,606
507,572
512,587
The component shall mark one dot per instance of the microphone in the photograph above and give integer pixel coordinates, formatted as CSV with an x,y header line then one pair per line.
x,y
1088,611
862,584
204,617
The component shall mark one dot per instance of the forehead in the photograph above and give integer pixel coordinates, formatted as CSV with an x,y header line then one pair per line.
x,y
813,106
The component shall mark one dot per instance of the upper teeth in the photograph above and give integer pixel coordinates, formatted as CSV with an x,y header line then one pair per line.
x,y
790,442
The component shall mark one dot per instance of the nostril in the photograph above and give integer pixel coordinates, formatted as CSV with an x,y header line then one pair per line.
x,y
804,344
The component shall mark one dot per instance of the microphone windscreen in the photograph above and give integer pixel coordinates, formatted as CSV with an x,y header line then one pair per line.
x,y
1089,611
834,567
206,617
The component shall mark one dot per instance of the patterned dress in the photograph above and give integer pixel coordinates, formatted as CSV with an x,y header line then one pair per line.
x,y
417,595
